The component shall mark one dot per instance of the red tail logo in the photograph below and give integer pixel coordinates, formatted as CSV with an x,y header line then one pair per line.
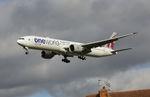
x,y
111,45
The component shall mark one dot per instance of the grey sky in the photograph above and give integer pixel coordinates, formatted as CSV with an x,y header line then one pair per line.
x,y
76,20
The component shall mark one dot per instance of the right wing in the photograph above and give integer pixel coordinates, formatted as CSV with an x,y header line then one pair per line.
x,y
103,42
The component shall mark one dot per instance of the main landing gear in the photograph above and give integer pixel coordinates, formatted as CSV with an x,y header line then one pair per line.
x,y
65,59
82,57
26,50
68,61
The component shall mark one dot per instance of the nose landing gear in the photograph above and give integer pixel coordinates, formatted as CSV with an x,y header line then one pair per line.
x,y
26,50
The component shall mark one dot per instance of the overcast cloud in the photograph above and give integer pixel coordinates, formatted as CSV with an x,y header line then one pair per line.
x,y
75,20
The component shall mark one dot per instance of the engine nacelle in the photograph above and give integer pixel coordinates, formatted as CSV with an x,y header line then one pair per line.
x,y
76,48
47,54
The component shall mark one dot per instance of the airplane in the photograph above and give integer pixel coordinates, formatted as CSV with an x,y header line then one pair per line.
x,y
50,47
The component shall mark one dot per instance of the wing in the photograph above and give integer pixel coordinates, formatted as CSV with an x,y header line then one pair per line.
x,y
103,42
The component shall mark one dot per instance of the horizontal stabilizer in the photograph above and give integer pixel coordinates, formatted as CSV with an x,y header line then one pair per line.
x,y
121,50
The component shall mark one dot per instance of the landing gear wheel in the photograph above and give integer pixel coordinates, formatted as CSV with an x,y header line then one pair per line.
x,y
82,57
26,53
66,60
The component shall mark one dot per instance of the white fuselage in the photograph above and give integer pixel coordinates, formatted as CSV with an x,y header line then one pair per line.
x,y
58,46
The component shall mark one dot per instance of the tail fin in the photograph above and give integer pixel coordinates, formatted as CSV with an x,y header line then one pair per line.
x,y
111,45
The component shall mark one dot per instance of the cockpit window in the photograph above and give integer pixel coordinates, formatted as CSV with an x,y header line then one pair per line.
x,y
21,38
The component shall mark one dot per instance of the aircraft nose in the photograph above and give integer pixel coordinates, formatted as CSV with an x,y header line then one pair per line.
x,y
19,42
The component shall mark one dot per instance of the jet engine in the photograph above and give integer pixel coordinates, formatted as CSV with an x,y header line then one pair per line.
x,y
76,48
47,54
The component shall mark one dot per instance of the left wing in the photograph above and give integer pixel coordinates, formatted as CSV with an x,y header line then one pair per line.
x,y
103,42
